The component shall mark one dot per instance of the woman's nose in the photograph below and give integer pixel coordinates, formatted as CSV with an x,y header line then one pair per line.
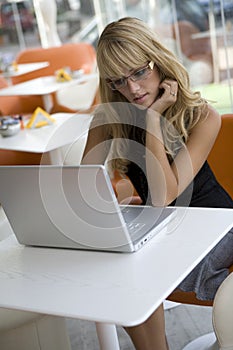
x,y
133,85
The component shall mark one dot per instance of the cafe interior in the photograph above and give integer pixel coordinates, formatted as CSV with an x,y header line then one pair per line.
x,y
48,91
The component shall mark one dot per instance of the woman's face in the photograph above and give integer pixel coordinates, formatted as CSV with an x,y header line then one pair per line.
x,y
143,91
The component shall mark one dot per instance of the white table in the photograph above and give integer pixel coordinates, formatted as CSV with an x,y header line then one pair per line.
x,y
43,86
109,288
23,68
66,130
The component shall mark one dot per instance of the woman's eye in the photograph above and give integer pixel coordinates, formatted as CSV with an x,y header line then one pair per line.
x,y
139,73
119,82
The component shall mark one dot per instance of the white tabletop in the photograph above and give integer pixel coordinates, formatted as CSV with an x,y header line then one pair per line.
x,y
67,129
41,86
113,288
23,68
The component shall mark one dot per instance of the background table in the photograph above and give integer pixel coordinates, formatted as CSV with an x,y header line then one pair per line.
x,y
43,86
109,288
23,68
66,130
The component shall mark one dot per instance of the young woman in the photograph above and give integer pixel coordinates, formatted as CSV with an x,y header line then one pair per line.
x,y
153,128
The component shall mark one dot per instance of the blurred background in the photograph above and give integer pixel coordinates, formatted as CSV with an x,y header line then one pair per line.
x,y
200,32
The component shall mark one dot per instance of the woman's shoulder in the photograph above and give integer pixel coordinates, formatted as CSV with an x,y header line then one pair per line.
x,y
208,125
211,114
210,118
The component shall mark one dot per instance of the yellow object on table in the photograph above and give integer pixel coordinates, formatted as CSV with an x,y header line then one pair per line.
x,y
39,118
15,66
63,74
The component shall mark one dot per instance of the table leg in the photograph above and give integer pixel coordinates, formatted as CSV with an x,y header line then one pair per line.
x,y
205,342
48,102
167,304
107,336
56,157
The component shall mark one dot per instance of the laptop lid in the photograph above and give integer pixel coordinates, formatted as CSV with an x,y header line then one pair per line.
x,y
64,206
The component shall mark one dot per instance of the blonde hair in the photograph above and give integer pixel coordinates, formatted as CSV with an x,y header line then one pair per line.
x,y
127,44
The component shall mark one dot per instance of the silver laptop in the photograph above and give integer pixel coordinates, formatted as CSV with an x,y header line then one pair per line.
x,y
74,207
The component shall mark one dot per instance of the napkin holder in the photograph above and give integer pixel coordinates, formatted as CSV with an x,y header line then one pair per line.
x,y
39,118
63,74
66,74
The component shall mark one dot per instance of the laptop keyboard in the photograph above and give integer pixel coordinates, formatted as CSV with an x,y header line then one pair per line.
x,y
136,230
134,227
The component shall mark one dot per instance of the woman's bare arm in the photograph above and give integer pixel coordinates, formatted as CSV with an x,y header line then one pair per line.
x,y
167,181
97,146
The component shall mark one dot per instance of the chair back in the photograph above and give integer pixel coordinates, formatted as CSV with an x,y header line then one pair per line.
x,y
74,55
221,155
9,104
79,97
12,105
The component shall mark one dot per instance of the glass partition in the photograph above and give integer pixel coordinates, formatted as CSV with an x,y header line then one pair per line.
x,y
200,32
17,27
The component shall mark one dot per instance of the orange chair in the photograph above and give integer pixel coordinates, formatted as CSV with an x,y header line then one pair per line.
x,y
74,55
9,104
220,158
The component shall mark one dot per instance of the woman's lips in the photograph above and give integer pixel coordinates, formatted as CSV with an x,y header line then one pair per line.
x,y
140,99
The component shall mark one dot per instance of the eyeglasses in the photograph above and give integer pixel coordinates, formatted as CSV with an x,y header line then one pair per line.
x,y
140,74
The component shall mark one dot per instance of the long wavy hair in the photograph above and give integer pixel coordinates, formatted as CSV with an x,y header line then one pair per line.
x,y
127,44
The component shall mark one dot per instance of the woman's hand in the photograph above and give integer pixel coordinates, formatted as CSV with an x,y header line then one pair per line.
x,y
166,97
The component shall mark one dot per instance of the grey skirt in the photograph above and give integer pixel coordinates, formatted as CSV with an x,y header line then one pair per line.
x,y
208,275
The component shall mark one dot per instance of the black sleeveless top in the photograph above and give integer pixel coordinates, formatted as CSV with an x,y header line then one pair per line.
x,y
204,191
